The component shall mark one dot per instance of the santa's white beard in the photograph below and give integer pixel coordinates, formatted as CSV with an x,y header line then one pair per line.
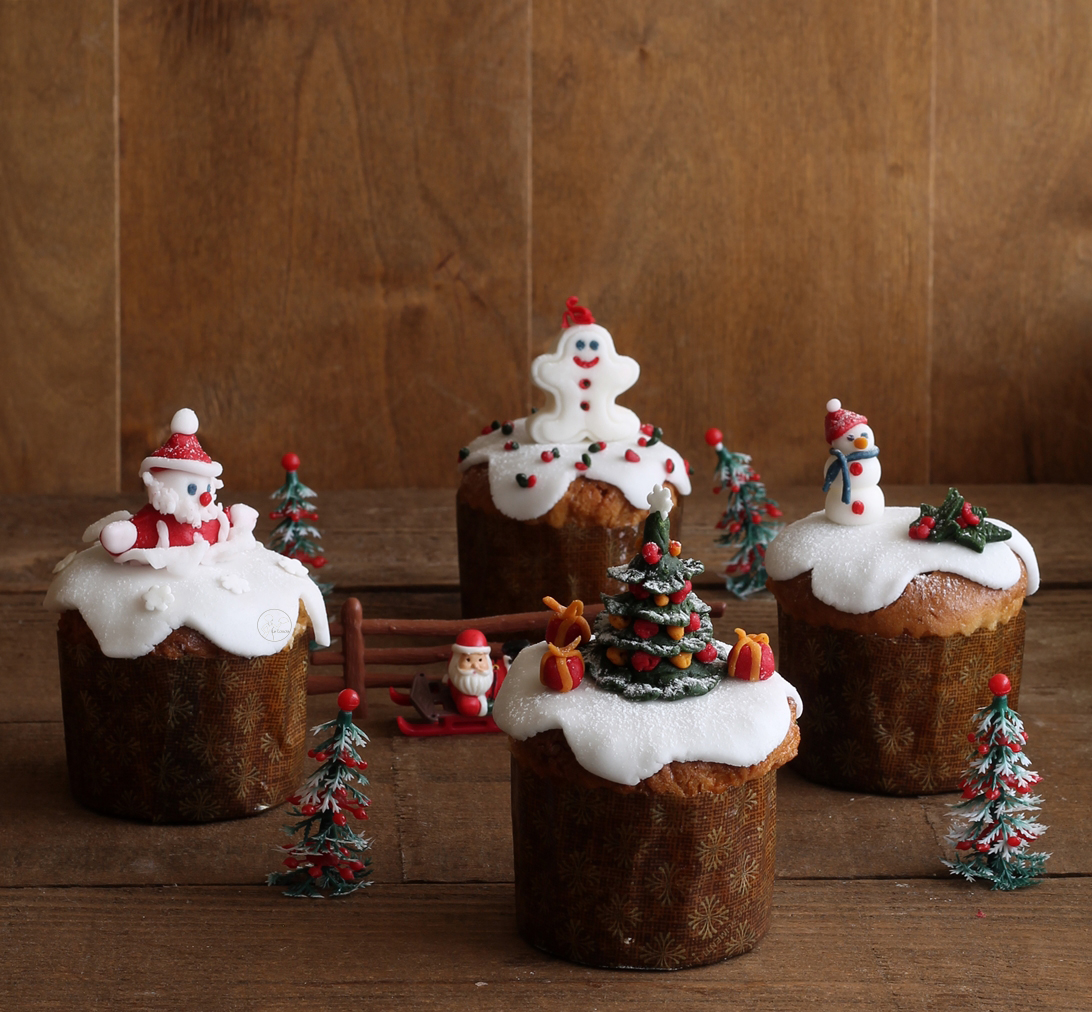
x,y
166,500
473,683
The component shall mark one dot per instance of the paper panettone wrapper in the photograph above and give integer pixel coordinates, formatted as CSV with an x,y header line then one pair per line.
x,y
633,879
507,565
891,715
183,739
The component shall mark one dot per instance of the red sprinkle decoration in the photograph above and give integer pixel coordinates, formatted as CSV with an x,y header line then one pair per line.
x,y
645,629
647,428
585,406
682,593
669,465
642,441
580,465
651,553
547,456
631,456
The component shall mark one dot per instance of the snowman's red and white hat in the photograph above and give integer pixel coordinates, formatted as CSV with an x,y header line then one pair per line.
x,y
839,419
470,641
182,451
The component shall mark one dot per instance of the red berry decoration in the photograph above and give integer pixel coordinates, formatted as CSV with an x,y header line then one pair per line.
x,y
707,654
632,457
651,553
1000,685
681,594
643,662
695,622
348,699
645,629
714,436
290,462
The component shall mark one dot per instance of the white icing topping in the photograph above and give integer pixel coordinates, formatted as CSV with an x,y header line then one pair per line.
x,y
552,478
861,569
738,723
245,601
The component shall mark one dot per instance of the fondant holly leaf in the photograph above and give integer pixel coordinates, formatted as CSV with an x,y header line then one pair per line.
x,y
957,520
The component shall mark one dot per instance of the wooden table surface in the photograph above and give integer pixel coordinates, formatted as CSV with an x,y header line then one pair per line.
x,y
100,912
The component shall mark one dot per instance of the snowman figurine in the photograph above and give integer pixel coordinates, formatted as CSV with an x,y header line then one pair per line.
x,y
852,484
181,481
583,376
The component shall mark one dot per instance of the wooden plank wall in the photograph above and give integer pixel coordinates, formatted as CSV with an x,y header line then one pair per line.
x,y
345,228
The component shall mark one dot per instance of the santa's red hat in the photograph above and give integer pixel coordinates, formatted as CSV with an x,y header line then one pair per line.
x,y
470,641
182,451
838,419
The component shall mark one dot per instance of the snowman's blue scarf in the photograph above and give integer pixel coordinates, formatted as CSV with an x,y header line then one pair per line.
x,y
841,464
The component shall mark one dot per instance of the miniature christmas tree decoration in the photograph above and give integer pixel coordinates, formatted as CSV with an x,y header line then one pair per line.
x,y
750,521
852,484
655,639
330,858
991,824
295,536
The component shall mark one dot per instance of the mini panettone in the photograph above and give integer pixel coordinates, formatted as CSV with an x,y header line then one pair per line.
x,y
554,499
644,783
891,621
183,649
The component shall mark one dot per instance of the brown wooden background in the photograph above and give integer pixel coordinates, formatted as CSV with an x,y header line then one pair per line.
x,y
345,228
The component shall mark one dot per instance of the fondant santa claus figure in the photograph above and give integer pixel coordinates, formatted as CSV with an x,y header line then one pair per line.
x,y
471,675
182,481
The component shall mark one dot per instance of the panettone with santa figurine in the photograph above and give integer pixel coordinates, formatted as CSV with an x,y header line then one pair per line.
x,y
555,499
891,621
183,648
644,761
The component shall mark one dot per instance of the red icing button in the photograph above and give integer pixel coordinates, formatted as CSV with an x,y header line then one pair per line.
x,y
855,468
585,406
585,383
858,507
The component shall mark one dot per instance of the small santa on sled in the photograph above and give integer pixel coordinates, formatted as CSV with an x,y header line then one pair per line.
x,y
463,700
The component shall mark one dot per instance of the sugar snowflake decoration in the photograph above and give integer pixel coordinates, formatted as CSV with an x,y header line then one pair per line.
x,y
158,598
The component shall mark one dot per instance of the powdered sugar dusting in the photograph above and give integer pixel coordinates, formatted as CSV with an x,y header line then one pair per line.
x,y
738,723
862,569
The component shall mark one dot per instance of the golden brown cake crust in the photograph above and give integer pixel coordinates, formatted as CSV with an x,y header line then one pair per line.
x,y
586,503
934,604
549,756
183,642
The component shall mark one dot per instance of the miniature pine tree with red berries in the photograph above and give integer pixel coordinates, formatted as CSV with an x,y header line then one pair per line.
x,y
655,639
991,827
750,519
295,536
330,856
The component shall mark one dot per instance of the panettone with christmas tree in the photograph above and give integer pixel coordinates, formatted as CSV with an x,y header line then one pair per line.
x,y
644,760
